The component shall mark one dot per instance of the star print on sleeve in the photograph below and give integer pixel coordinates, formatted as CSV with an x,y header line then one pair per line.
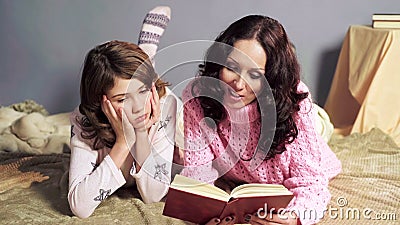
x,y
103,195
72,131
94,166
160,169
163,124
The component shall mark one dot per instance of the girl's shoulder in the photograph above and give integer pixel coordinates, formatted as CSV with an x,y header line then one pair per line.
x,y
169,97
76,117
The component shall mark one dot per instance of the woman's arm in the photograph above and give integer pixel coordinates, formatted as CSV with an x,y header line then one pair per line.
x,y
307,179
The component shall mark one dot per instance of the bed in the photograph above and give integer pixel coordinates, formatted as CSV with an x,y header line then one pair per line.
x,y
33,182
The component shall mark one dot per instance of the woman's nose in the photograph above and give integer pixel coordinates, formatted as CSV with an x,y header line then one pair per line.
x,y
239,83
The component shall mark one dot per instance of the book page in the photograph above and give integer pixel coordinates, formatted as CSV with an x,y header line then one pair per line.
x,y
200,188
252,190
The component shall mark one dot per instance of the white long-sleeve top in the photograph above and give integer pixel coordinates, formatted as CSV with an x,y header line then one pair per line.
x,y
93,176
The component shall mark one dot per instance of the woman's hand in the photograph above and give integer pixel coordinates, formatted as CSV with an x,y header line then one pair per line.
x,y
225,221
225,184
271,219
124,131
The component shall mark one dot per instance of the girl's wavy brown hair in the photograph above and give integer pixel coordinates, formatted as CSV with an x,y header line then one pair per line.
x,y
102,65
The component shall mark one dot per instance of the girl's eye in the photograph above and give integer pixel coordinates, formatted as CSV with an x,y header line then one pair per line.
x,y
121,100
145,90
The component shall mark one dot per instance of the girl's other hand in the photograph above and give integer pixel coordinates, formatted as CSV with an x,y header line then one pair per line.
x,y
155,105
124,131
155,110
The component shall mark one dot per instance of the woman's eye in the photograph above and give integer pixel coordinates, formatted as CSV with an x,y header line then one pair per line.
x,y
232,67
255,75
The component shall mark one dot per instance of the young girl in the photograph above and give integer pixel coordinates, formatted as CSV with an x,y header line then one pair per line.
x,y
228,128
123,131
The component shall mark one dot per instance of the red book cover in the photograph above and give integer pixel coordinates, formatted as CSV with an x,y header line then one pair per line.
x,y
191,207
249,205
201,207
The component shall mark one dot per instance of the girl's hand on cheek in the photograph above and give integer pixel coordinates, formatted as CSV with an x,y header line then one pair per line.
x,y
124,131
112,116
155,111
155,105
129,131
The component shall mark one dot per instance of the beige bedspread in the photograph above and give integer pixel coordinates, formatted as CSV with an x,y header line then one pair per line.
x,y
33,188
369,185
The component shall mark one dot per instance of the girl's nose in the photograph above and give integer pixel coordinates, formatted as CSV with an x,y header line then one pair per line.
x,y
135,106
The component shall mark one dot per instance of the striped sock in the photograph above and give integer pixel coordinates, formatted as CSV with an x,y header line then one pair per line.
x,y
153,27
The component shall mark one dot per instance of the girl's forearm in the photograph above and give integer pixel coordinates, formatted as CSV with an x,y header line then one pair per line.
x,y
118,153
142,148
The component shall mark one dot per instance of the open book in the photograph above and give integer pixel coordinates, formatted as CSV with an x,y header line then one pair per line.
x,y
198,202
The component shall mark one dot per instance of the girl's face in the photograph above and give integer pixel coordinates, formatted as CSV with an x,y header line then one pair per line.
x,y
243,73
134,97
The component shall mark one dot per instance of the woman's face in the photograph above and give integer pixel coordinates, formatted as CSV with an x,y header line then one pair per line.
x,y
134,97
243,73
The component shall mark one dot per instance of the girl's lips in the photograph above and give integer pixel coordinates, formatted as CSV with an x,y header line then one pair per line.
x,y
141,118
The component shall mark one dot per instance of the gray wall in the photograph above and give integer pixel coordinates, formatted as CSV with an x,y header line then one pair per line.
x,y
43,42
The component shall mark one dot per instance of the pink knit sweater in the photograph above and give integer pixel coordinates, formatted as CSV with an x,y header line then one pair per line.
x,y
305,168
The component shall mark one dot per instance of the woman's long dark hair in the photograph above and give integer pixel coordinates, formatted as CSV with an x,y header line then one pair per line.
x,y
102,65
282,71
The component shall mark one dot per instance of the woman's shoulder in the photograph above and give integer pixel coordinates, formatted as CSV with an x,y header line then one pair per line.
x,y
306,104
302,87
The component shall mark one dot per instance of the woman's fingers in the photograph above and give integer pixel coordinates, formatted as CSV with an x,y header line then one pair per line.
x,y
228,220
271,219
225,221
213,221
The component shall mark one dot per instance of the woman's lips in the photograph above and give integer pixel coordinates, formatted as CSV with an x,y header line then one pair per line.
x,y
235,95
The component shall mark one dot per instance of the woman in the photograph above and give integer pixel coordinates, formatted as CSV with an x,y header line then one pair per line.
x,y
228,128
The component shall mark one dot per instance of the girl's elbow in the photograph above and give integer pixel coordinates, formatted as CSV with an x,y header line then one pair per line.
x,y
81,212
154,196
152,199
79,208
